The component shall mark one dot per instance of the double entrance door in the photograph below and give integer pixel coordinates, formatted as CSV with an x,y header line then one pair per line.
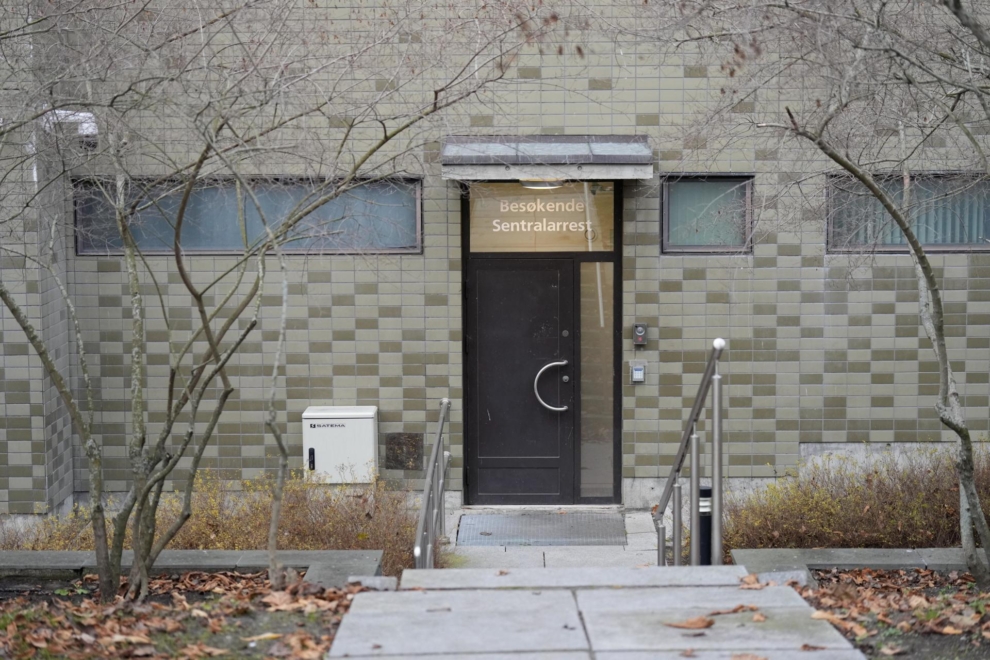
x,y
540,380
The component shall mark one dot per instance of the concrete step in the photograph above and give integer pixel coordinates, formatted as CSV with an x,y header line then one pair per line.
x,y
572,614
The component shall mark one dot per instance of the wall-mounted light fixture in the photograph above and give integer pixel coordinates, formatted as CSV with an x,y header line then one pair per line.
x,y
537,184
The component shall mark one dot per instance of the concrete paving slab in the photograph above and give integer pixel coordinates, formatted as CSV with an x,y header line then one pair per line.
x,y
707,598
639,522
790,654
376,582
414,633
798,575
198,560
759,561
178,561
337,567
542,528
357,562
463,556
598,556
489,601
641,541
572,578
551,655
55,565
784,628
945,559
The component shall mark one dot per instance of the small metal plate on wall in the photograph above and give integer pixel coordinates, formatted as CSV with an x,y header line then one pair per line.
x,y
404,451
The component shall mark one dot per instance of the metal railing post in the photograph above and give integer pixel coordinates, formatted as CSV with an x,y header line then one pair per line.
x,y
661,546
677,540
717,462
695,514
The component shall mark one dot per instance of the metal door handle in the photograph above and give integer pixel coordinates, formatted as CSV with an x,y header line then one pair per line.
x,y
536,385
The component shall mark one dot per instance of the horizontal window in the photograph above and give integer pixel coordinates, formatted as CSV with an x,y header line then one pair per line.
x,y
372,218
946,211
707,214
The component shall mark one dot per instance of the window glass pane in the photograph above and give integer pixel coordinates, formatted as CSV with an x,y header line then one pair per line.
x,y
946,210
597,379
574,217
375,217
706,213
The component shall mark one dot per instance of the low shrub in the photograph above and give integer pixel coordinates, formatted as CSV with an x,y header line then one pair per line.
x,y
315,516
909,500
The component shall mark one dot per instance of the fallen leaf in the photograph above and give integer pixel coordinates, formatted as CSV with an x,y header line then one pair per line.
x,y
694,623
965,622
262,637
688,653
839,622
811,647
751,581
949,630
759,617
747,656
200,650
734,610
130,639
890,649
503,573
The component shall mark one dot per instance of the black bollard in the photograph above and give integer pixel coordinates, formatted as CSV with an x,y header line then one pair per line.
x,y
705,525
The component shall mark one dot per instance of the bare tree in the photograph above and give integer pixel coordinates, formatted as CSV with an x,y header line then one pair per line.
x,y
277,116
871,97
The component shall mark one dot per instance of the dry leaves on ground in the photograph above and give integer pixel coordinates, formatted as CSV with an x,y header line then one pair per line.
x,y
694,623
85,628
751,581
862,602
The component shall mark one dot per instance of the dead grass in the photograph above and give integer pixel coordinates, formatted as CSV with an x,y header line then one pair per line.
x,y
315,516
908,501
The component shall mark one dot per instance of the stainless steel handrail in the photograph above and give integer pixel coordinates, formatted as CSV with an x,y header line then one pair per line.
x,y
710,379
431,516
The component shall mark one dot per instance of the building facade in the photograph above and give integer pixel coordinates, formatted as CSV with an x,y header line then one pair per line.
x,y
576,198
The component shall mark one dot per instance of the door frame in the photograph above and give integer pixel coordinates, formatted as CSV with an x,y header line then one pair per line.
x,y
616,258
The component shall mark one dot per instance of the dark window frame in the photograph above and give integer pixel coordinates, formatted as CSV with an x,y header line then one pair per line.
x,y
745,248
416,183
832,247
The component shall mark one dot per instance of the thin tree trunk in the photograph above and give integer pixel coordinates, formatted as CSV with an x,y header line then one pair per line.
x,y
276,573
109,578
932,317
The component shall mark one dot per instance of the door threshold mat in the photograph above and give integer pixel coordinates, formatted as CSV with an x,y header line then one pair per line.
x,y
543,528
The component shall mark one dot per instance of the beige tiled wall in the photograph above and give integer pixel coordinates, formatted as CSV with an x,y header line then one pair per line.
x,y
820,347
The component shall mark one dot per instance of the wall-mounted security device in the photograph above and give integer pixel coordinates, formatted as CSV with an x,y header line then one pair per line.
x,y
637,371
639,334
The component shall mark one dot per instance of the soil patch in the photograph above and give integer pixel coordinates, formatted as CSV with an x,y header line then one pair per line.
x,y
915,614
189,616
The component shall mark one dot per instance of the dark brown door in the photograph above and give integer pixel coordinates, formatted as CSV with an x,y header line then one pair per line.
x,y
521,381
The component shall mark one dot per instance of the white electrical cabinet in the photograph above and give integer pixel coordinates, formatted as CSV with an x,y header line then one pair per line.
x,y
340,443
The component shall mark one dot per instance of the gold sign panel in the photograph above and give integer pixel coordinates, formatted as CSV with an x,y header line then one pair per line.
x,y
574,217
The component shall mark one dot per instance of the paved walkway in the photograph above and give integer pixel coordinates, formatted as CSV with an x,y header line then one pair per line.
x,y
639,551
583,613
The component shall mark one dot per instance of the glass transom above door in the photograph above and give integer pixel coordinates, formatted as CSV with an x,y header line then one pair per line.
x,y
572,217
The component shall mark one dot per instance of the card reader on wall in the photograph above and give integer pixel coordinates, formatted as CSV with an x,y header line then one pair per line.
x,y
637,371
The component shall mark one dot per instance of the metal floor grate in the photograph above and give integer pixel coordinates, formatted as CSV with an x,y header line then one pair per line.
x,y
542,528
